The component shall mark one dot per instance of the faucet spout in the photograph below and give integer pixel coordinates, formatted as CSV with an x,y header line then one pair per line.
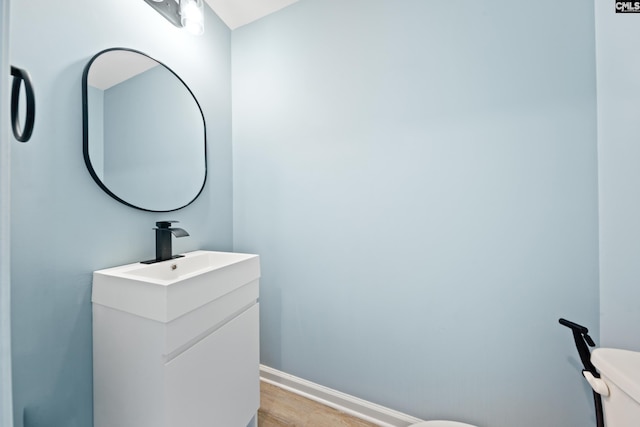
x,y
163,241
179,232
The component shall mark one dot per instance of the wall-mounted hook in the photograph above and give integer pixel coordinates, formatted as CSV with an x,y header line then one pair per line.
x,y
20,75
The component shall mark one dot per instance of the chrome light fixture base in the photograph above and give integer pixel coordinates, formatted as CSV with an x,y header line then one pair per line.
x,y
170,9
187,14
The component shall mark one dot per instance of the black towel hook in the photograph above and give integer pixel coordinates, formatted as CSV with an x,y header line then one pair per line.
x,y
20,75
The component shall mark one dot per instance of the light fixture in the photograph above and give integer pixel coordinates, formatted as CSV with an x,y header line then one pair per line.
x,y
188,14
192,15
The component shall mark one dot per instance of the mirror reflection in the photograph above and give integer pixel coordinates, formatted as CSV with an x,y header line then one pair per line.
x,y
144,132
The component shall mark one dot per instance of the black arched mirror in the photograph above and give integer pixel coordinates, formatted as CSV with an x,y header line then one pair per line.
x,y
144,132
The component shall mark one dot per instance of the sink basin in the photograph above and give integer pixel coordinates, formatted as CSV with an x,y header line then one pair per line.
x,y
167,290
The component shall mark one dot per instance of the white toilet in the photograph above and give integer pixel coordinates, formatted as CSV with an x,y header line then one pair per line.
x,y
441,424
619,385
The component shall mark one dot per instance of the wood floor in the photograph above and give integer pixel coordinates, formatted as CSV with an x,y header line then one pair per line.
x,y
280,408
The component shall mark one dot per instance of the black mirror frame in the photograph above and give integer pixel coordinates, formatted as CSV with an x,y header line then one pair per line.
x,y
85,131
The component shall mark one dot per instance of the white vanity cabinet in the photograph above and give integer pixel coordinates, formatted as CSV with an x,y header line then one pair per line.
x,y
180,352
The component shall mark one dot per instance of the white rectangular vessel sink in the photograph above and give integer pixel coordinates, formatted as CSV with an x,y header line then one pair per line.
x,y
169,289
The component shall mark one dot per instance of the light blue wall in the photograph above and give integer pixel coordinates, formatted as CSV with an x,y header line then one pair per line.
x,y
419,179
619,175
63,225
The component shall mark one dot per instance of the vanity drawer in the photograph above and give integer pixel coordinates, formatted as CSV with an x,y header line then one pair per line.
x,y
216,381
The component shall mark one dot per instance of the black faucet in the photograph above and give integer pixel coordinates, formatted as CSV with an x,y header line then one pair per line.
x,y
163,241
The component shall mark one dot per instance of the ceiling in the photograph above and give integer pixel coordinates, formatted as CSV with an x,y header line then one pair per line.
x,y
116,66
236,13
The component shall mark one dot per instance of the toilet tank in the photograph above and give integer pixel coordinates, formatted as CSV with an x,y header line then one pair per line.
x,y
620,370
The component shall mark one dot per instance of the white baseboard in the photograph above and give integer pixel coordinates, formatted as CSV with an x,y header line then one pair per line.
x,y
359,408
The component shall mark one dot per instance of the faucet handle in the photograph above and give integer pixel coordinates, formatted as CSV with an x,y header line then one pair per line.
x,y
165,224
